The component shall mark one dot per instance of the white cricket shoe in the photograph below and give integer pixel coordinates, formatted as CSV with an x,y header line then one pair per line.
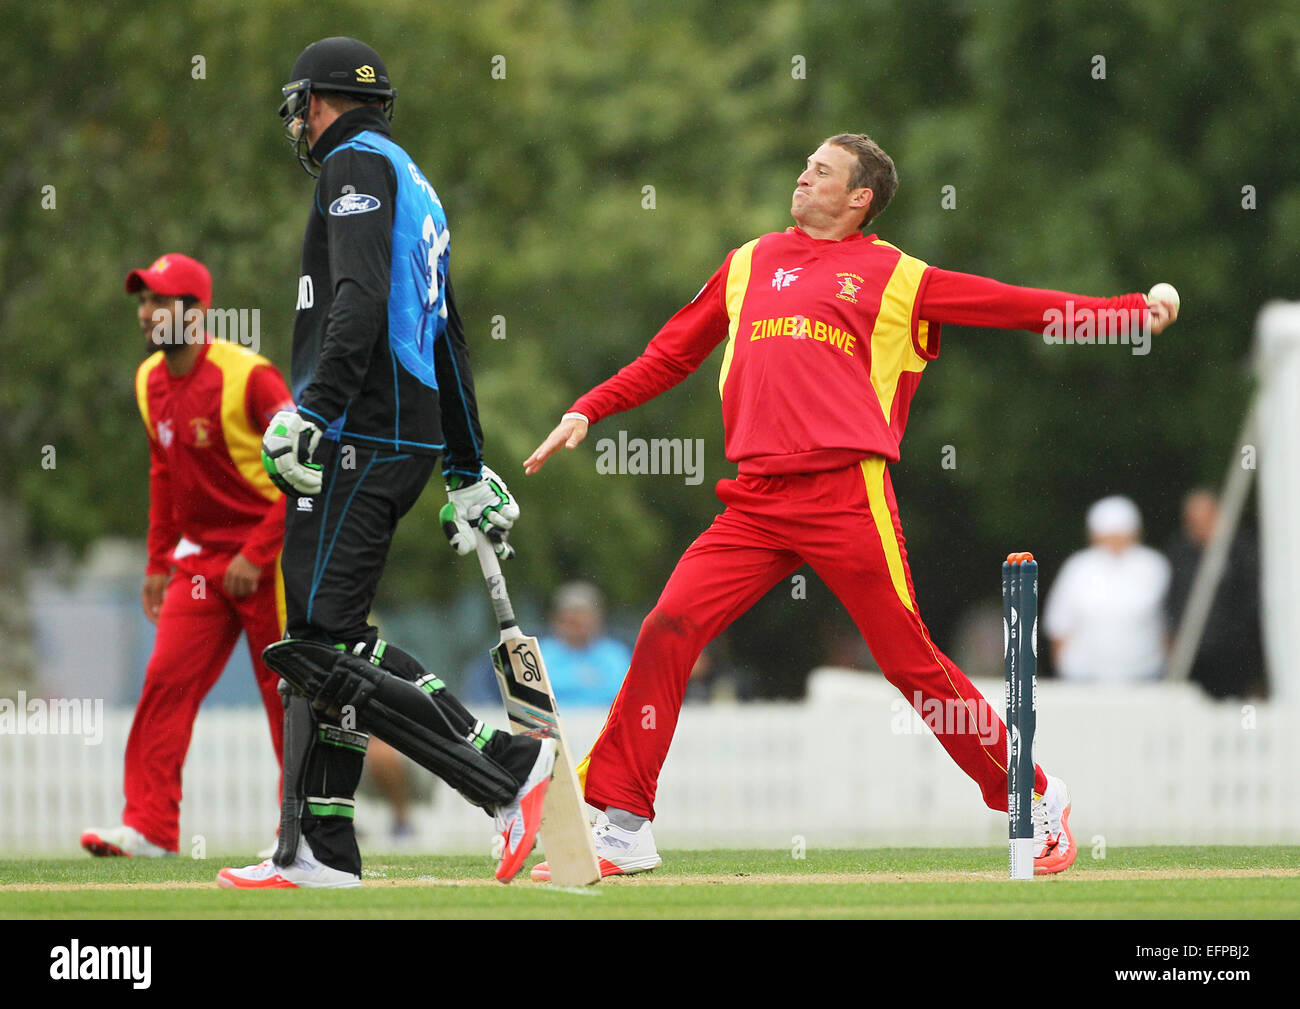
x,y
519,821
620,852
122,841
1054,848
305,872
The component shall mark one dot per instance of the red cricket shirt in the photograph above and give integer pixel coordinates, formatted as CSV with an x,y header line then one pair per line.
x,y
206,480
826,343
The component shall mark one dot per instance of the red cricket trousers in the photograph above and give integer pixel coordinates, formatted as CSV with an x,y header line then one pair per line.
x,y
844,524
197,630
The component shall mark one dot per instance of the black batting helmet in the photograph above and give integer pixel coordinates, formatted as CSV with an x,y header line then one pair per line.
x,y
340,65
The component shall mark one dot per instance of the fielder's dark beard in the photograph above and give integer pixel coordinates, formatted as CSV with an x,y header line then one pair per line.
x,y
168,347
173,331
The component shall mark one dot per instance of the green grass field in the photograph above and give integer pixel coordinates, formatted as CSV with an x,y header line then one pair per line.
x,y
1134,883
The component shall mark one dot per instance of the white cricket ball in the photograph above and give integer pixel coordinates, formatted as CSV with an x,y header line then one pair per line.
x,y
1164,293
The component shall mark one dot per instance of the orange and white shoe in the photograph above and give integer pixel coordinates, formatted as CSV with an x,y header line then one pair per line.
x,y
305,872
123,842
621,852
520,820
1054,848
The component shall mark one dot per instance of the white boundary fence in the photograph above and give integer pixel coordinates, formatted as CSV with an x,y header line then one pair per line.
x,y
851,766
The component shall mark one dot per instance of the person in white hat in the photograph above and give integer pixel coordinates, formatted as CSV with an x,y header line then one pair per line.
x,y
1105,611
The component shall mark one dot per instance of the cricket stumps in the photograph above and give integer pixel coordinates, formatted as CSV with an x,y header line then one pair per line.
x,y
1020,660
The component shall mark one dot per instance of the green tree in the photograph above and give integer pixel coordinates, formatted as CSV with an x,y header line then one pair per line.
x,y
542,125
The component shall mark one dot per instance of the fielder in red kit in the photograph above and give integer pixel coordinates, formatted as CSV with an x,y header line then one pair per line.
x,y
827,332
215,528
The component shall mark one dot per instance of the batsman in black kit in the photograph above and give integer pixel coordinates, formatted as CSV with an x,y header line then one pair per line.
x,y
382,381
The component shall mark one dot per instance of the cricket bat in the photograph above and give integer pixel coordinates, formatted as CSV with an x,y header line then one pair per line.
x,y
530,705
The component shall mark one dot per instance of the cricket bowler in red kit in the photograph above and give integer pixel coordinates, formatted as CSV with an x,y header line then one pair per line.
x,y
827,333
215,529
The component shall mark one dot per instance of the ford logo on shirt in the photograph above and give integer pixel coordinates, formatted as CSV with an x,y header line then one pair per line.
x,y
353,203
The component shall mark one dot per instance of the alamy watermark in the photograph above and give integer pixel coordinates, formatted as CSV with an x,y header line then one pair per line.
x,y
654,456
943,716
1106,326
178,326
77,962
58,716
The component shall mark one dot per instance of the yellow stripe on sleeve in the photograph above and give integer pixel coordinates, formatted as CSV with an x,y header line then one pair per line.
x,y
737,285
892,352
142,388
242,442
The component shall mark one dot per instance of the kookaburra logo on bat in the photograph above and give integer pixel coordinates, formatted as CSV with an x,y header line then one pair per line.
x,y
532,672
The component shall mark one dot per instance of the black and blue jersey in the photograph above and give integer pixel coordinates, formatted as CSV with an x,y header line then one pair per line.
x,y
379,353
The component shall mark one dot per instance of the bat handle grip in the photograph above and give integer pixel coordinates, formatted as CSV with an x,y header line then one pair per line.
x,y
496,582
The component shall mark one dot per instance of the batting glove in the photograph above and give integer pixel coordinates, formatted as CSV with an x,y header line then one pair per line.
x,y
486,504
287,449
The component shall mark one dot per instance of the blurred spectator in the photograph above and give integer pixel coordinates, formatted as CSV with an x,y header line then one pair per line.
x,y
1230,659
1104,613
586,667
